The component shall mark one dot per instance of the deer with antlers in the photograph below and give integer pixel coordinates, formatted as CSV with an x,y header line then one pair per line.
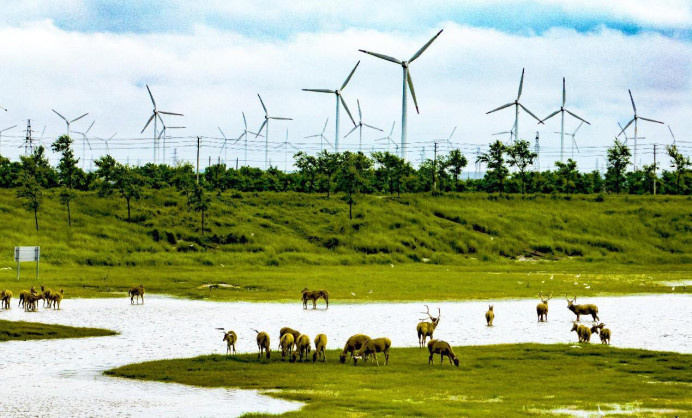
x,y
426,329
230,337
542,308
588,309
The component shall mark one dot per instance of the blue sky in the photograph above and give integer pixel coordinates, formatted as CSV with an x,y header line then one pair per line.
x,y
209,60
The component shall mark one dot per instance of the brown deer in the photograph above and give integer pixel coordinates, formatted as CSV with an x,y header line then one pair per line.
x,y
314,295
489,317
287,330
443,349
320,345
579,310
302,348
5,299
136,292
426,329
54,299
353,344
230,337
604,333
262,343
31,302
583,332
286,345
542,308
371,348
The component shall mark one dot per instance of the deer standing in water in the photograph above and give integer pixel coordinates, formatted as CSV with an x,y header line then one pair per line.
x,y
542,308
588,309
426,329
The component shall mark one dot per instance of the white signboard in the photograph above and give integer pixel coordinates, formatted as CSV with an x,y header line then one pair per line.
x,y
26,253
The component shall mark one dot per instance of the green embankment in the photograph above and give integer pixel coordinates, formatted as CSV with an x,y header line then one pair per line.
x,y
500,380
22,331
268,246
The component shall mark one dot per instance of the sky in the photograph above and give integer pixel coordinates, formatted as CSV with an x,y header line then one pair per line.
x,y
209,59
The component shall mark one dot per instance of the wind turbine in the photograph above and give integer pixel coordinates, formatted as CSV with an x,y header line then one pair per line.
x,y
360,125
574,141
286,144
163,134
244,134
562,111
388,138
322,137
510,132
7,129
225,143
407,82
635,119
266,133
627,137
85,142
517,105
68,122
106,141
449,139
339,101
156,114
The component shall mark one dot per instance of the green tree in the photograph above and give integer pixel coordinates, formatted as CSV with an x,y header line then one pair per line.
x,y
521,157
128,183
327,165
67,172
680,165
35,171
456,161
567,176
618,160
391,169
105,170
215,176
352,175
308,166
495,161
200,202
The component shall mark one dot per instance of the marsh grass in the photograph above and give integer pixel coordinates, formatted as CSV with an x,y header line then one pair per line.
x,y
499,380
22,331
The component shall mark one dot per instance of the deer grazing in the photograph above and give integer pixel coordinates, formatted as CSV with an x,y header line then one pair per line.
x,y
262,343
542,308
54,299
443,349
136,292
302,348
5,299
314,295
230,337
579,310
426,329
583,332
371,348
320,345
286,345
353,344
287,330
489,317
604,333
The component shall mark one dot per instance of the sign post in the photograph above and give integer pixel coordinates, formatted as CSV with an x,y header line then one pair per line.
x,y
27,254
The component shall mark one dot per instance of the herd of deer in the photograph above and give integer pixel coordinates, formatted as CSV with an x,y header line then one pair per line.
x,y
583,332
28,299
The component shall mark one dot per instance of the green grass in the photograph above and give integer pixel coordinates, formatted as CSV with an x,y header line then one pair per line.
x,y
268,246
23,331
500,380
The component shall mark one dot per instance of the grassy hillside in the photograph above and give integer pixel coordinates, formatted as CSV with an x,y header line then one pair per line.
x,y
500,380
252,239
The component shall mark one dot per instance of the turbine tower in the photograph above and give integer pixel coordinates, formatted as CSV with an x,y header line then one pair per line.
x,y
85,142
388,138
286,144
407,82
339,101
574,141
245,135
68,122
517,105
360,125
156,114
164,129
562,111
266,133
106,141
635,119
323,138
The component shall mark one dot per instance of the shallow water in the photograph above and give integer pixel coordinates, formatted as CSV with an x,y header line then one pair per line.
x,y
63,377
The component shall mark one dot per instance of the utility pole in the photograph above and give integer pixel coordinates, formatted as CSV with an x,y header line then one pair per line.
x,y
434,185
654,169
199,138
538,153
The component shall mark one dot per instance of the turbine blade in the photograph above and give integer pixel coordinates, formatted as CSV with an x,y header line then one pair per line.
x,y
278,118
327,141
521,84
89,128
112,136
343,86
575,143
550,115
171,113
312,136
222,134
61,116
244,120
670,130
151,96
320,90
452,134
259,131
75,120
87,141
529,112
263,106
575,131
392,131
148,122
382,56
360,114
650,120
564,92
632,99
373,127
161,134
351,131
413,92
343,102
500,108
420,51
626,126
502,133
581,119
325,125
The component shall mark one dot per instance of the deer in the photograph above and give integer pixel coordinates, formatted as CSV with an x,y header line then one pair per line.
x,y
542,308
443,349
371,348
286,345
23,294
489,317
604,333
31,302
136,292
579,310
353,344
320,345
426,329
230,337
291,331
5,299
583,332
314,296
263,344
54,299
46,296
302,348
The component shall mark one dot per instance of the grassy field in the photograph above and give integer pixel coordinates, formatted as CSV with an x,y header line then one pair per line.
x,y
269,246
22,331
501,380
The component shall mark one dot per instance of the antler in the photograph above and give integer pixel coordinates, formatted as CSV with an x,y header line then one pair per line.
x,y
439,313
221,329
427,313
